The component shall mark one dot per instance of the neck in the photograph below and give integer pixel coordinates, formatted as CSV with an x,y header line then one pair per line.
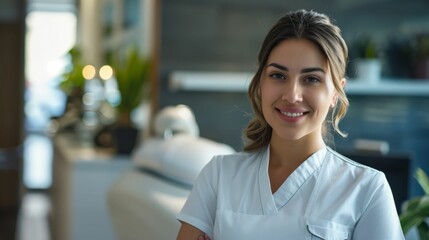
x,y
293,152
286,156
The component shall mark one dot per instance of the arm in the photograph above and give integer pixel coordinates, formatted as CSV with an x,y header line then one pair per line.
x,y
380,214
198,214
189,232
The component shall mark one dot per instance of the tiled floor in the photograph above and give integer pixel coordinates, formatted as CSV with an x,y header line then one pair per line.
x,y
33,223
34,217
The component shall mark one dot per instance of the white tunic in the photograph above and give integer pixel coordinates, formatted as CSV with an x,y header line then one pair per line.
x,y
326,197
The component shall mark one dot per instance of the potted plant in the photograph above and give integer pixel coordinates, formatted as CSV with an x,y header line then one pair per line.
x,y
131,71
416,211
72,76
72,85
367,64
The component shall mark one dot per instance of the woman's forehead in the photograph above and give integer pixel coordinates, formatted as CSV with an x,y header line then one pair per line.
x,y
297,53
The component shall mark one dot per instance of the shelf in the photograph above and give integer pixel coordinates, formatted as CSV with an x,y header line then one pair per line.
x,y
210,81
390,87
239,81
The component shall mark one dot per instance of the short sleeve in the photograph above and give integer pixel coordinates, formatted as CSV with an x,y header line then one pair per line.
x,y
381,212
200,207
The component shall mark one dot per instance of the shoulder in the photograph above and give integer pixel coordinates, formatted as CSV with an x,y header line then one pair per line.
x,y
350,184
359,193
236,159
233,164
353,172
339,160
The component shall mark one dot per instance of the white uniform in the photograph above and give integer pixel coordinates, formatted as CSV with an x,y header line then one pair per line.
x,y
326,197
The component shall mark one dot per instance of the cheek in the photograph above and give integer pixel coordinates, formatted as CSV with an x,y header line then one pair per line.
x,y
321,100
270,91
264,99
268,97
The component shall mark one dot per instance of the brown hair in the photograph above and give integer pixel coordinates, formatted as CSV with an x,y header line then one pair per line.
x,y
317,28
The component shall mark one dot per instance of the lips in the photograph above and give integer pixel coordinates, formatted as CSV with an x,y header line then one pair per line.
x,y
291,114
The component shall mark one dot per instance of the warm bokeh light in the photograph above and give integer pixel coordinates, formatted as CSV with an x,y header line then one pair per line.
x,y
88,72
106,72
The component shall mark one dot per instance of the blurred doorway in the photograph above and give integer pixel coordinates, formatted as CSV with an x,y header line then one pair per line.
x,y
51,33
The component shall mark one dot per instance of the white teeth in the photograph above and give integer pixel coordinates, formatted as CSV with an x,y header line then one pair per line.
x,y
289,114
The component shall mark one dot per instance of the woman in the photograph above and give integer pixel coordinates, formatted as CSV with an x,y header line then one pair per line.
x,y
287,184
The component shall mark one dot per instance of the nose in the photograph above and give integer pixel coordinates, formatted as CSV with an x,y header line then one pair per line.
x,y
292,92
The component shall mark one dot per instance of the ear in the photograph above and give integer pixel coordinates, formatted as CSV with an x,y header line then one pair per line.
x,y
335,96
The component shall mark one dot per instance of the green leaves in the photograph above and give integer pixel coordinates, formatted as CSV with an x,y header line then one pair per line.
x,y
132,76
72,77
416,210
366,48
423,230
423,180
415,213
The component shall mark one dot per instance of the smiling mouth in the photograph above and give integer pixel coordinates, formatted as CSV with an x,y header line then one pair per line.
x,y
292,114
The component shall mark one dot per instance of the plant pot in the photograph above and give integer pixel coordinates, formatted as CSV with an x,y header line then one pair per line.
x,y
125,139
368,70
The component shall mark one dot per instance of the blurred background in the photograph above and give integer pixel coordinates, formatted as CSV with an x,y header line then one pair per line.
x,y
62,65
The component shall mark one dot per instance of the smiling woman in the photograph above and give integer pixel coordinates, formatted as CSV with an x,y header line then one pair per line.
x,y
296,94
287,181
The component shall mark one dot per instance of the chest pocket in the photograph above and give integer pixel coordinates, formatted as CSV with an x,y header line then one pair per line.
x,y
325,233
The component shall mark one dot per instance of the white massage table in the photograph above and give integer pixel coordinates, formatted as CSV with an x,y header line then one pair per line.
x,y
145,201
144,205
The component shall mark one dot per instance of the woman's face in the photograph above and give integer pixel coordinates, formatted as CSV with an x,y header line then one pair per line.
x,y
296,90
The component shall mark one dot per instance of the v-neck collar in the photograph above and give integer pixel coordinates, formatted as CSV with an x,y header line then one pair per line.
x,y
271,203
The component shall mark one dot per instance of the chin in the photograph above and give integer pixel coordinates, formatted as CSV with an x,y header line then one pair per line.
x,y
294,135
290,136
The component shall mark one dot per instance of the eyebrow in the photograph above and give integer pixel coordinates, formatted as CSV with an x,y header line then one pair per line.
x,y
305,70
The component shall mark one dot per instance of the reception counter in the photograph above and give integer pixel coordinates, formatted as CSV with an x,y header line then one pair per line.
x,y
82,176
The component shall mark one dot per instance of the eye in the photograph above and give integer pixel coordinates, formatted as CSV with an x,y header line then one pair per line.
x,y
312,79
277,76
